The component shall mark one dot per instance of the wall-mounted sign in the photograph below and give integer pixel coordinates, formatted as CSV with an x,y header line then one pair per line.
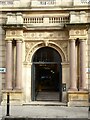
x,y
2,70
87,69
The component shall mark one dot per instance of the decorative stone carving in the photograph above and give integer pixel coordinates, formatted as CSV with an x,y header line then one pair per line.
x,y
28,46
64,46
78,33
36,40
46,42
46,35
14,34
31,47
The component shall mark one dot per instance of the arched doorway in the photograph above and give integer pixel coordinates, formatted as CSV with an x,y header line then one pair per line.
x,y
46,75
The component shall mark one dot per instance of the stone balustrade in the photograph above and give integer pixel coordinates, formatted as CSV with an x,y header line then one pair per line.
x,y
33,20
54,20
46,21
18,18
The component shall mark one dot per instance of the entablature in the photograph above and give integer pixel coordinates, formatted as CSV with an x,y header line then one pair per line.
x,y
77,30
43,3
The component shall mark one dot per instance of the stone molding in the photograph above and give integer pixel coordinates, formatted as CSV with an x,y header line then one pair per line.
x,y
14,34
45,35
32,47
78,33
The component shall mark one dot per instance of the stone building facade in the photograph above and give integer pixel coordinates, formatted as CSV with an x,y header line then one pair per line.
x,y
45,51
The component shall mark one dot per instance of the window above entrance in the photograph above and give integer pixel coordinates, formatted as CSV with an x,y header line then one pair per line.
x,y
46,54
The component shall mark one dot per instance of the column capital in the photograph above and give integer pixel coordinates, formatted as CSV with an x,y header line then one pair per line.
x,y
72,39
19,40
82,40
9,41
27,64
65,64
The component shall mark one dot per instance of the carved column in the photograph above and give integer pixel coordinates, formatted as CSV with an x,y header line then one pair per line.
x,y
9,65
18,64
73,82
82,65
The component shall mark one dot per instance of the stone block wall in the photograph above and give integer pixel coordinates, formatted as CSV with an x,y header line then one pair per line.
x,y
2,55
89,59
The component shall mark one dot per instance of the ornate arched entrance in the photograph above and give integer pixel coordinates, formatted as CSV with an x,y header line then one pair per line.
x,y
46,75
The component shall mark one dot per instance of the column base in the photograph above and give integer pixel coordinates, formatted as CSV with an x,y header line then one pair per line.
x,y
9,89
16,97
78,98
18,88
83,89
73,89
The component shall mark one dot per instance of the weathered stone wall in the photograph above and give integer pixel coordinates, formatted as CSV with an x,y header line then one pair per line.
x,y
89,59
2,54
52,39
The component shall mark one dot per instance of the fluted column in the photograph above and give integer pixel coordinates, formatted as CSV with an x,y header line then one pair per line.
x,y
9,64
73,82
82,65
18,64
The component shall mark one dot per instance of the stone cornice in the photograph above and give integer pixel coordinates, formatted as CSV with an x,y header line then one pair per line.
x,y
77,25
12,26
50,9
28,27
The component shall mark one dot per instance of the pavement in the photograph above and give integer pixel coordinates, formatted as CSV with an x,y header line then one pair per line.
x,y
45,111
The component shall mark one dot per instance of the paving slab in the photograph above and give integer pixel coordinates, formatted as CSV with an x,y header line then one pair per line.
x,y
31,111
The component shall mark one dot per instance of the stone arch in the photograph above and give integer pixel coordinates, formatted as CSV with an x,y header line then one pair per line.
x,y
42,44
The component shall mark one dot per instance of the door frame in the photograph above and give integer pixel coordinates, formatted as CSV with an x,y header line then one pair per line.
x,y
33,94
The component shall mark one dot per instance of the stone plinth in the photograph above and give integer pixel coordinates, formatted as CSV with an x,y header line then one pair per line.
x,y
16,97
78,98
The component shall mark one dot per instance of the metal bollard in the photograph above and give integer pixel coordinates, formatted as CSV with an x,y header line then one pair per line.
x,y
89,104
8,104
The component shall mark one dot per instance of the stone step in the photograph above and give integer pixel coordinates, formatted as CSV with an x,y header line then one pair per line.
x,y
48,96
46,103
11,118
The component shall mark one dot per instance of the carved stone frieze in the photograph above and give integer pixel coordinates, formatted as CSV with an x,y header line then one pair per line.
x,y
58,35
78,33
11,33
14,34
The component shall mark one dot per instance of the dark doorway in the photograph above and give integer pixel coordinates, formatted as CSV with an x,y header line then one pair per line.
x,y
47,75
